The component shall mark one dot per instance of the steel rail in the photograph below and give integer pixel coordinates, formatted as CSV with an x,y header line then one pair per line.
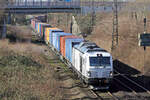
x,y
126,86
98,95
133,82
115,98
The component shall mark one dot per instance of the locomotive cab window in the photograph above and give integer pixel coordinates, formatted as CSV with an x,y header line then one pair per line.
x,y
99,61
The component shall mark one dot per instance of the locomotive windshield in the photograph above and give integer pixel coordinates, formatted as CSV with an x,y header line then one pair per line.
x,y
99,61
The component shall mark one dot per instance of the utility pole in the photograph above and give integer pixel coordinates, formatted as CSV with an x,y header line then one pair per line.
x,y
93,15
145,31
115,39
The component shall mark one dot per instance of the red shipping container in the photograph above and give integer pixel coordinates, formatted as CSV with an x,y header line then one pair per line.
x,y
33,23
62,43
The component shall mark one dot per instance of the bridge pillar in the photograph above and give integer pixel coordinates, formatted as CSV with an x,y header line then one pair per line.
x,y
48,2
46,18
71,24
25,2
33,2
9,18
4,29
18,2
41,3
14,20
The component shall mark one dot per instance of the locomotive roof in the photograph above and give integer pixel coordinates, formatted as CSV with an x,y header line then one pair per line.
x,y
88,47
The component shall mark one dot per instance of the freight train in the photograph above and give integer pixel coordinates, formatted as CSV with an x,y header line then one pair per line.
x,y
92,64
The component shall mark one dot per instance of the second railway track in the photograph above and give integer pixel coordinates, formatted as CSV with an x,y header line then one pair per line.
x,y
137,91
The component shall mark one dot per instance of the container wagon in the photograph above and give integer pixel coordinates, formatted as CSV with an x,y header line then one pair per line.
x,y
92,64
56,39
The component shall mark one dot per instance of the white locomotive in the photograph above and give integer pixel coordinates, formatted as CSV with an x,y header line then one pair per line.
x,y
93,64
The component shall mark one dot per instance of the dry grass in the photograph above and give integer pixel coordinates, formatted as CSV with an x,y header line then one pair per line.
x,y
19,33
26,73
26,69
61,21
143,1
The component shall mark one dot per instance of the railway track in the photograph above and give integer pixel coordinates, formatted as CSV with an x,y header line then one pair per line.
x,y
110,95
131,90
135,88
107,95
125,77
128,92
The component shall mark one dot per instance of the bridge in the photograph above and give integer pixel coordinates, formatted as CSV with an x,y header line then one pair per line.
x,y
37,7
43,6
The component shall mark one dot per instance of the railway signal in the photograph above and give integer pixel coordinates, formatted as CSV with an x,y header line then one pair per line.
x,y
144,41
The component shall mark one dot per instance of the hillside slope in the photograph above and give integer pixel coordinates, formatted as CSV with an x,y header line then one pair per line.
x,y
128,50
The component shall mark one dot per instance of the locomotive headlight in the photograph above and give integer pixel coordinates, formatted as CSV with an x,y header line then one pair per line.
x,y
88,73
111,74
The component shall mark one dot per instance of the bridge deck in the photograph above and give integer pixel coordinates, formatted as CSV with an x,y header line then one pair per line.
x,y
43,7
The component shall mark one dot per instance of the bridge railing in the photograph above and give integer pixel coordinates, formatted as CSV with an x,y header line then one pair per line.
x,y
46,4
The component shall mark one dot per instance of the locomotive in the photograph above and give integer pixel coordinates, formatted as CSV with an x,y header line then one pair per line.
x,y
93,64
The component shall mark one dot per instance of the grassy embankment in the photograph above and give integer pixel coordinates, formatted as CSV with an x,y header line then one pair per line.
x,y
27,71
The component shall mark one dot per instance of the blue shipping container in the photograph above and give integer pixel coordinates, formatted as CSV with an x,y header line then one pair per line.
x,y
68,0
69,44
52,31
56,39
36,26
40,28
